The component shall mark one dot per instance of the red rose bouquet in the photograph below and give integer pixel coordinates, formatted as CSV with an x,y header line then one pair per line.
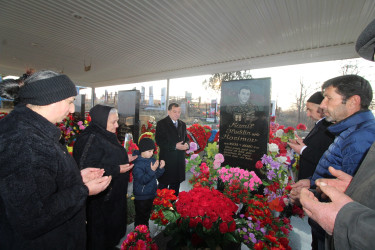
x,y
139,239
206,220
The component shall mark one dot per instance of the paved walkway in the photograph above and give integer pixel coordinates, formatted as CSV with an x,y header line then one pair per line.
x,y
300,237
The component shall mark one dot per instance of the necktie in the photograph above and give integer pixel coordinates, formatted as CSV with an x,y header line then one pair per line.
x,y
175,124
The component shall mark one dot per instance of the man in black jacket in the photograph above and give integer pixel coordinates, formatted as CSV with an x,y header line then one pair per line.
x,y
316,142
172,139
312,148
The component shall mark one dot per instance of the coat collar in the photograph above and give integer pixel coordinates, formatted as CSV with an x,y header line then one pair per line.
x,y
34,119
353,120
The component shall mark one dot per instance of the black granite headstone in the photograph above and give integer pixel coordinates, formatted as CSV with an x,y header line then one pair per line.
x,y
128,110
244,121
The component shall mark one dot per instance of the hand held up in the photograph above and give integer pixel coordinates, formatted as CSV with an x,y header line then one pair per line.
x,y
341,182
98,185
125,168
89,174
162,164
324,213
155,165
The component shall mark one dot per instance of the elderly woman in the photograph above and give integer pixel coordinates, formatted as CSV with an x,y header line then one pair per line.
x,y
97,146
42,193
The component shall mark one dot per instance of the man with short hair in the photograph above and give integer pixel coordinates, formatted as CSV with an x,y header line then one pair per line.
x,y
244,95
172,139
242,110
346,101
349,217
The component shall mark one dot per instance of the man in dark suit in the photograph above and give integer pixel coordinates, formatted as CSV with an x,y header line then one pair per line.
x,y
172,139
316,142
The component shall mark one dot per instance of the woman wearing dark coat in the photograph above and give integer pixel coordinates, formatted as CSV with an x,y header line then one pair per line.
x,y
97,146
42,192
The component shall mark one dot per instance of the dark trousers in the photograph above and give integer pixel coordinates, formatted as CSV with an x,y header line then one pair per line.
x,y
173,186
142,211
318,236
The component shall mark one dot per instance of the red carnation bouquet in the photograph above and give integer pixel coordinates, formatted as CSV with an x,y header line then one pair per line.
x,y
199,134
163,211
131,147
259,230
206,220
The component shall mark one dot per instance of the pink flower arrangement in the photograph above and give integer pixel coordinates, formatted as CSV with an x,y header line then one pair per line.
x,y
248,178
192,147
219,158
139,239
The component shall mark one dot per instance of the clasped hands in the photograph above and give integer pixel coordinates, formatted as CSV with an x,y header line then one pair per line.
x,y
156,165
182,146
324,213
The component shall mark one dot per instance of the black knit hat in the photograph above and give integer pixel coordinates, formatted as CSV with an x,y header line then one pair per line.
x,y
316,98
365,45
146,144
47,91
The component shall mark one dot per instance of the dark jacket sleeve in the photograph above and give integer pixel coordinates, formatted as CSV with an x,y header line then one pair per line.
x,y
354,227
31,195
96,155
345,155
162,137
159,172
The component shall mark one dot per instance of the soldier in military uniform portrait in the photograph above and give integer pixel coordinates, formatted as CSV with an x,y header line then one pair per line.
x,y
242,111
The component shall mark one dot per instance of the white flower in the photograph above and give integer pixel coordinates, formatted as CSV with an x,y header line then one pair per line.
x,y
279,133
282,159
272,147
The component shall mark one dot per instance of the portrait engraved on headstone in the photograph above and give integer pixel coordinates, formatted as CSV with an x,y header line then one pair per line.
x,y
244,121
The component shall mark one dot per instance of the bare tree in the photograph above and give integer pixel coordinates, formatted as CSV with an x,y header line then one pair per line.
x,y
301,99
214,82
350,69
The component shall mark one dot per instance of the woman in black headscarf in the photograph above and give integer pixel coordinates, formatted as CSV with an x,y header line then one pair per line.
x,y
98,146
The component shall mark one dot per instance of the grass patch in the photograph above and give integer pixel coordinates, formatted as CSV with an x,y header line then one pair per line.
x,y
131,209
